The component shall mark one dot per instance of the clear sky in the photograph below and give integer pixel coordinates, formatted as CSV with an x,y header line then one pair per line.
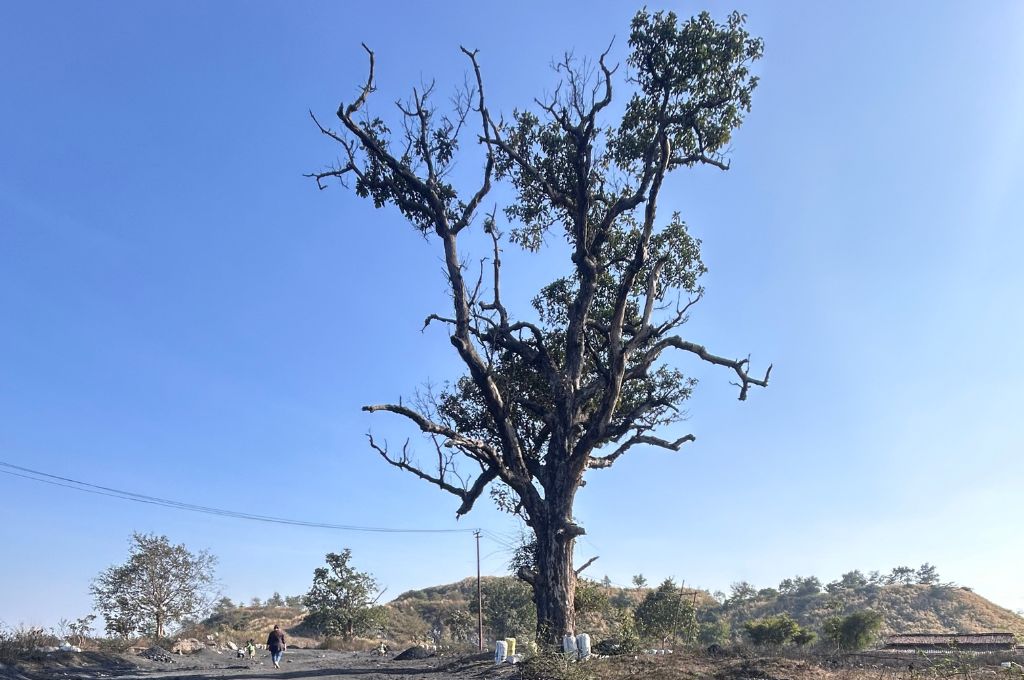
x,y
182,314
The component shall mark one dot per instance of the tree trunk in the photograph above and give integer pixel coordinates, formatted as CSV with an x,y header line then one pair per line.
x,y
554,586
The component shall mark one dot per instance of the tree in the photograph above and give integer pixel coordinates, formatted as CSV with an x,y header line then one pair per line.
x,y
275,600
342,601
584,378
774,630
639,581
591,598
461,625
509,610
853,632
928,575
742,591
160,585
666,612
901,576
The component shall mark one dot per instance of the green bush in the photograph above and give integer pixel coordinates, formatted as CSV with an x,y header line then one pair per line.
x,y
853,632
777,630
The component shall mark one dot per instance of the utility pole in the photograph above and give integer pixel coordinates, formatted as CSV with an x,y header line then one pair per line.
x,y
479,597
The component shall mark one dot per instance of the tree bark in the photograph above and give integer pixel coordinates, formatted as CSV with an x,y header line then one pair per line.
x,y
554,581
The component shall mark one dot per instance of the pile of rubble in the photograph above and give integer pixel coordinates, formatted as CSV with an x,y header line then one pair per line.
x,y
156,653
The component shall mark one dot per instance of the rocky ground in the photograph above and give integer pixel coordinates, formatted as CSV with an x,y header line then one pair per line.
x,y
327,665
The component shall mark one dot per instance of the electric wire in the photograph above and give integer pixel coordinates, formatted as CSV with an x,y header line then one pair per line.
x,y
67,482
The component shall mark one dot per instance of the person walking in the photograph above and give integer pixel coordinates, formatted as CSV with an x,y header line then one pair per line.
x,y
276,645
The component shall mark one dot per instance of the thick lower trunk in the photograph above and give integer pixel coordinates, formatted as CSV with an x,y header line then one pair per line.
x,y
554,587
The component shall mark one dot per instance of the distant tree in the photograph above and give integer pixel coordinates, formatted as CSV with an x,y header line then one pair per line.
x,y
901,576
851,580
342,601
772,630
585,377
767,594
741,592
804,637
787,586
223,605
460,624
714,631
809,585
590,598
719,596
256,602
293,601
666,612
639,581
606,582
509,610
80,629
855,631
928,575
159,586
876,578
275,600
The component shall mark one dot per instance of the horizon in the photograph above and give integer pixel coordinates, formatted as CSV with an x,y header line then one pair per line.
x,y
187,317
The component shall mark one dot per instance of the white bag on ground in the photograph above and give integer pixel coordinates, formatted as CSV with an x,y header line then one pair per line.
x,y
583,645
500,651
569,644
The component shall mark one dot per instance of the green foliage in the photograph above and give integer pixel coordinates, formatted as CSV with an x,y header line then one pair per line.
x,y
639,581
460,624
777,630
275,600
591,598
341,600
928,575
509,610
159,586
804,637
715,631
853,632
667,611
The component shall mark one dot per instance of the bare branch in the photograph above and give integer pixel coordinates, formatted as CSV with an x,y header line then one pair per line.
x,y
586,564
595,462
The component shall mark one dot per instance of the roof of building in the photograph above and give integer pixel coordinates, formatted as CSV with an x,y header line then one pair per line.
x,y
965,639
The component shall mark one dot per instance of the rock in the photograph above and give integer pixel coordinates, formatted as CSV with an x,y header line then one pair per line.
x,y
232,646
187,646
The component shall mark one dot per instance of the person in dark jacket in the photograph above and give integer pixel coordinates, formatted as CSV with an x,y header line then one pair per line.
x,y
276,645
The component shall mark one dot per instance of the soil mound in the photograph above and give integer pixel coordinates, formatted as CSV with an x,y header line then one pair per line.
x,y
414,653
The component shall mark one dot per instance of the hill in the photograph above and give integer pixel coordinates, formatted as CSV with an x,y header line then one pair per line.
x,y
447,613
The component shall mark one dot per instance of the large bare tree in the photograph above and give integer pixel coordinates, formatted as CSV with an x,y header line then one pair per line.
x,y
584,377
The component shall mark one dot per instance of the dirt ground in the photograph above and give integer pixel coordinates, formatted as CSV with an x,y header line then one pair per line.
x,y
327,665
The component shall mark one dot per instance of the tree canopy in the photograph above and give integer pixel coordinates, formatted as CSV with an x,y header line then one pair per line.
x,y
584,377
342,600
160,585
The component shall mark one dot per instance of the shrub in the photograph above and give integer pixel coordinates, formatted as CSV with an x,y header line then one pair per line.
x,y
777,630
853,632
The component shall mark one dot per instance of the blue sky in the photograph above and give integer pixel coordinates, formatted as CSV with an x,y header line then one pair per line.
x,y
184,315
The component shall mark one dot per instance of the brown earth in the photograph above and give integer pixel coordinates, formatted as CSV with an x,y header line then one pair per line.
x,y
327,665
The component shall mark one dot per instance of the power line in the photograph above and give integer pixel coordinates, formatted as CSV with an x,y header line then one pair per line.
x,y
68,483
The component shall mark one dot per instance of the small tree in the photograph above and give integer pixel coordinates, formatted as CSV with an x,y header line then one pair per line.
x,y
461,625
666,612
772,630
639,581
342,601
853,632
509,610
160,585
900,576
293,601
928,575
275,600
